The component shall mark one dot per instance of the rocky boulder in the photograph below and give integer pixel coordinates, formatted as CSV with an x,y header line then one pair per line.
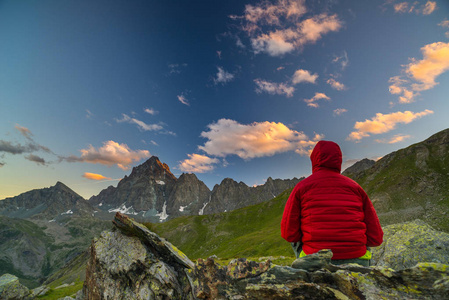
x,y
11,288
132,262
409,243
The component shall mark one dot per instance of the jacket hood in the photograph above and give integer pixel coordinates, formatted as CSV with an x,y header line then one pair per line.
x,y
326,154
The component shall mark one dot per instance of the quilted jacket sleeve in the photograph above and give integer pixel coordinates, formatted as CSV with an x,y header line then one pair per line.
x,y
291,219
374,232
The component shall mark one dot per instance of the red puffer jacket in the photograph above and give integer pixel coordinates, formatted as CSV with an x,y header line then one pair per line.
x,y
330,211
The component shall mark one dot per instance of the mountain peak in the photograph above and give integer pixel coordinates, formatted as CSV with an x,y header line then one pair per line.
x,y
152,167
60,185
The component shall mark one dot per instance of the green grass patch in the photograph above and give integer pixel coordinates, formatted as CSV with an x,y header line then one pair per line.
x,y
252,231
70,290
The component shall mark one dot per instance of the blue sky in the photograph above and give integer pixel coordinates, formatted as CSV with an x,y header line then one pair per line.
x,y
240,89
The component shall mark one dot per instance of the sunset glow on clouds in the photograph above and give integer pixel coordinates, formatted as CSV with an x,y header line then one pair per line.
x,y
304,76
383,123
422,73
395,139
312,102
415,7
336,85
93,176
228,137
112,153
287,32
197,163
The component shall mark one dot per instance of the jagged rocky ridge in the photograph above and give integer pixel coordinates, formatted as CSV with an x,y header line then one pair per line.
x,y
134,263
153,193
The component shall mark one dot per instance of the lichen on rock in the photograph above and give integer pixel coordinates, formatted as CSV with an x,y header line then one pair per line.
x,y
11,288
409,243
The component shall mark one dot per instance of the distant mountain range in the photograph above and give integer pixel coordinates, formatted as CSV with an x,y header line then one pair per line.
x,y
154,194
150,193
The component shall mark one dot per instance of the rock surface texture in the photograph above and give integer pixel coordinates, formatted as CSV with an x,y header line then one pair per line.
x,y
408,243
11,288
132,262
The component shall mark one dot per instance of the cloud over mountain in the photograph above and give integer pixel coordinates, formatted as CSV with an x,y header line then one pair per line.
x,y
197,163
247,141
111,153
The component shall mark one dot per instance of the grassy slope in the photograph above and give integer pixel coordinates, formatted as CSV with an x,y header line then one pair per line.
x,y
414,176
247,232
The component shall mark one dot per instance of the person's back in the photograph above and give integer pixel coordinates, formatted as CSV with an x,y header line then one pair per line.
x,y
330,211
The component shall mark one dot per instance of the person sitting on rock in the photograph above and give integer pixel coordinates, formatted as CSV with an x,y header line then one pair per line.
x,y
330,211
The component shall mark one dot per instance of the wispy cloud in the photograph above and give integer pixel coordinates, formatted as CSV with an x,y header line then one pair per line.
x,y
183,99
140,124
176,68
276,28
429,7
339,111
445,24
304,76
89,114
94,176
312,102
14,148
282,41
273,88
258,139
343,60
37,159
395,139
336,85
111,153
30,146
383,123
151,111
222,76
197,163
414,7
421,74
24,131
